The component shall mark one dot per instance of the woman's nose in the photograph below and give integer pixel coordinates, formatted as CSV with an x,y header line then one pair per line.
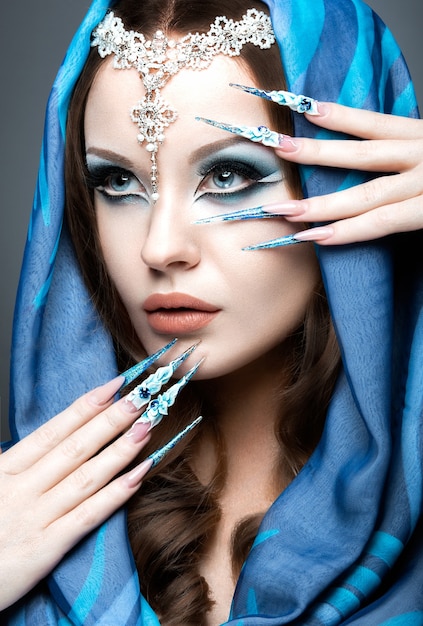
x,y
170,242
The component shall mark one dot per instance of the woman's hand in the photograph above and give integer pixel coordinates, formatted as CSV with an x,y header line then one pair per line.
x,y
55,485
385,205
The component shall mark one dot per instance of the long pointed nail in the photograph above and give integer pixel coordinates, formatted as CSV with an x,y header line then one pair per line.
x,y
142,393
134,478
158,407
103,394
296,102
243,214
288,240
258,134
315,235
320,233
284,209
291,208
160,454
138,369
181,358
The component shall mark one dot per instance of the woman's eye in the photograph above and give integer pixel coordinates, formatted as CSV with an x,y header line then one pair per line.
x,y
228,179
118,182
121,184
115,183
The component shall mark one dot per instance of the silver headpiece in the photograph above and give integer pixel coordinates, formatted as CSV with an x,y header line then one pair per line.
x,y
158,59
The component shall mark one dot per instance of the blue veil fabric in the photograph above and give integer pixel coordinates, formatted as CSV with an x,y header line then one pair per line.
x,y
343,543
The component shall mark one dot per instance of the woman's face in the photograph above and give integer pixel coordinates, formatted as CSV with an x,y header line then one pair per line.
x,y
177,278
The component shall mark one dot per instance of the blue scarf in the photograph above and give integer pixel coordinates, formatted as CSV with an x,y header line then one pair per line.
x,y
341,545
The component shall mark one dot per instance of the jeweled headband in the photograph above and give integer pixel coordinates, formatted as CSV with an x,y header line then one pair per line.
x,y
158,59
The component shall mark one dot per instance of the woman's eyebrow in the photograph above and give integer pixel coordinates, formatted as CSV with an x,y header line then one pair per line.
x,y
110,155
199,154
211,148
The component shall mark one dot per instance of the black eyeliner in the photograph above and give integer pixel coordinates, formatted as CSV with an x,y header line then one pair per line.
x,y
98,174
99,178
253,169
240,193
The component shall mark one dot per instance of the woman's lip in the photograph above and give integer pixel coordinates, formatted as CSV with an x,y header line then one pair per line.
x,y
178,313
179,321
177,301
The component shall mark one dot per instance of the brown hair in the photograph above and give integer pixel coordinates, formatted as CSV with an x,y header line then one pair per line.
x,y
173,517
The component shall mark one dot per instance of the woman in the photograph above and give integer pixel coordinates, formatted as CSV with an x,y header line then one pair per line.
x,y
332,547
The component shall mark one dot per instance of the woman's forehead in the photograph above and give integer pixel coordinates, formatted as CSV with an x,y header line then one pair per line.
x,y
191,93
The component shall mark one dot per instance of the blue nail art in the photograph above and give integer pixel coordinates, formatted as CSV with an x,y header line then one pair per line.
x,y
142,393
159,454
243,214
138,369
288,240
158,407
297,103
259,134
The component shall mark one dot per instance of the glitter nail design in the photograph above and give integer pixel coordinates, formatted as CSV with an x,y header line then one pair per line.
x,y
258,134
159,454
158,407
297,103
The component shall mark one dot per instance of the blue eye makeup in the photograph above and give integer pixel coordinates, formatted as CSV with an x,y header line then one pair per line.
x,y
115,183
229,174
235,173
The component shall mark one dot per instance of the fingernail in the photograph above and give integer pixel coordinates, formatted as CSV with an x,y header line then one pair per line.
x,y
134,478
158,407
141,395
280,209
139,368
102,395
312,234
315,234
236,216
296,102
322,109
258,134
128,406
138,432
286,209
287,144
288,240
160,454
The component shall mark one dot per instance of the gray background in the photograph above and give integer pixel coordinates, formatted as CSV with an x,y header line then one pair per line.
x,y
33,39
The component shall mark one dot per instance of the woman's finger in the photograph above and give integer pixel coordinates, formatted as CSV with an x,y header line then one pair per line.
x,y
25,453
385,220
94,474
390,155
35,549
366,124
385,190
68,530
81,445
